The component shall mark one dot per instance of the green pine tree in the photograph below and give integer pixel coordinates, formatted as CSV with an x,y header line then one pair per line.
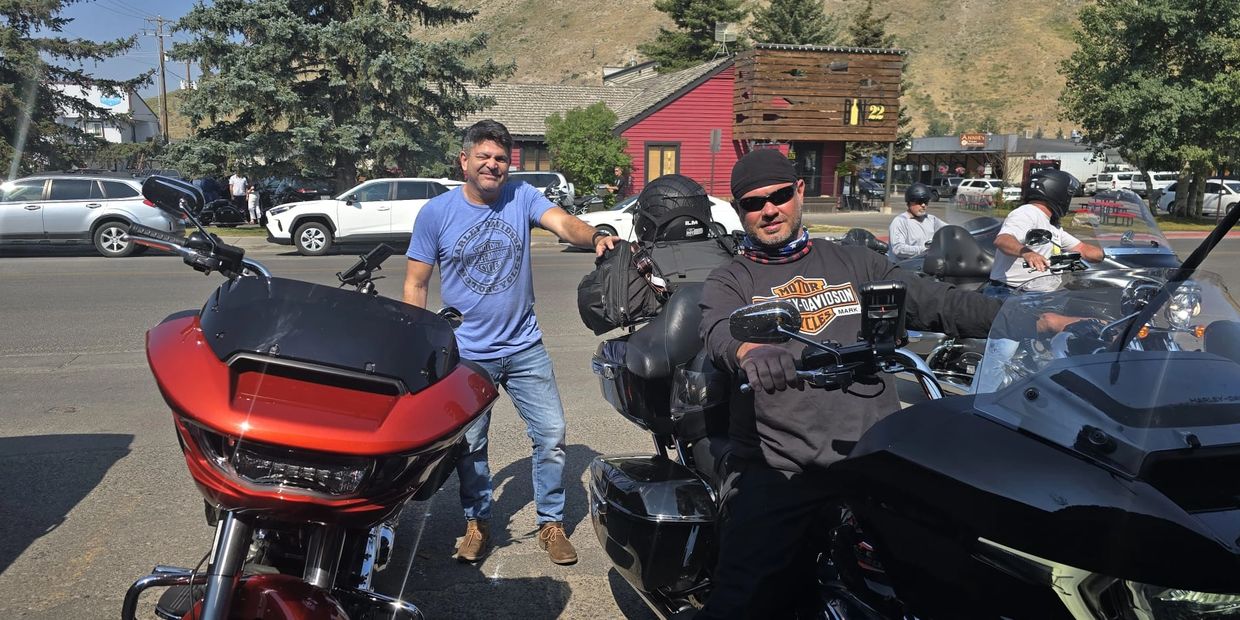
x,y
866,30
327,87
33,56
795,22
693,41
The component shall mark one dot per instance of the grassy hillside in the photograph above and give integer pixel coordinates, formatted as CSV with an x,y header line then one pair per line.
x,y
968,59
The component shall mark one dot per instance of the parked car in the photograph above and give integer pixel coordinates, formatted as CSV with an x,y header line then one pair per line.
x,y
377,210
1162,180
944,187
1012,193
1218,192
1128,179
67,209
865,187
543,180
980,187
1090,186
618,220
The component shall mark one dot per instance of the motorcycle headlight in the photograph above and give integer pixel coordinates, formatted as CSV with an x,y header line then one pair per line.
x,y
278,210
1092,596
281,468
1184,305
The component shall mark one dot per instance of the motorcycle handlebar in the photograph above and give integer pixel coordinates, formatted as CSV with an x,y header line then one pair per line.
x,y
152,238
841,373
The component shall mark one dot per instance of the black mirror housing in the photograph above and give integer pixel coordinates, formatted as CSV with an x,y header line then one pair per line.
x,y
765,322
1038,236
172,196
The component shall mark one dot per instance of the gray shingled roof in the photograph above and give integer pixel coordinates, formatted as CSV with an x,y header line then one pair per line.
x,y
523,108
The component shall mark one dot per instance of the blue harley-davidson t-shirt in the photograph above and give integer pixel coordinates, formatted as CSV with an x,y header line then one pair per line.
x,y
484,265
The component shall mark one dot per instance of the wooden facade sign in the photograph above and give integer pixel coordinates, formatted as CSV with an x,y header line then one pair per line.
x,y
820,94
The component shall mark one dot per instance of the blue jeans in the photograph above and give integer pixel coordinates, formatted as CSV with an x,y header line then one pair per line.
x,y
529,380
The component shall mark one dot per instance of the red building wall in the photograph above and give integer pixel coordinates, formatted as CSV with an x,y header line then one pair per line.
x,y
687,122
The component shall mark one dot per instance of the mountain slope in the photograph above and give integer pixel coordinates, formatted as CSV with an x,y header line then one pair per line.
x,y
968,59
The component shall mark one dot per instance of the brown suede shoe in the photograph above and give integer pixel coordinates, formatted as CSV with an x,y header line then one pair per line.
x,y
552,538
476,542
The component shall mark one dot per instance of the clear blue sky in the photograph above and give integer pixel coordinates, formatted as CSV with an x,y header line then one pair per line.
x,y
105,20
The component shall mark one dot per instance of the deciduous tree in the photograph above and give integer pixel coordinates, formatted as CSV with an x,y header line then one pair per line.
x,y
583,146
1159,80
328,87
34,55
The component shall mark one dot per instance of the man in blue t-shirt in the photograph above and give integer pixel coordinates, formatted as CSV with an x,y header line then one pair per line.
x,y
479,234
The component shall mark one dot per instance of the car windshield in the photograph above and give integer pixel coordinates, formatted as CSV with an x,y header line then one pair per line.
x,y
624,204
1174,385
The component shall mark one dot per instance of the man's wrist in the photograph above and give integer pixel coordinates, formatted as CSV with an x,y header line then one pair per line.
x,y
597,236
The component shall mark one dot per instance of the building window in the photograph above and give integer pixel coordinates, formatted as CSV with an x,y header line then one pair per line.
x,y
535,157
661,159
94,128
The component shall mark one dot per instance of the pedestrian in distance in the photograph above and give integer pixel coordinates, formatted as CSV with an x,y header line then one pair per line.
x,y
251,196
479,235
236,188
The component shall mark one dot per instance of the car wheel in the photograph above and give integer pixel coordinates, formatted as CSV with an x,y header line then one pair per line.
x,y
109,240
607,229
934,195
313,239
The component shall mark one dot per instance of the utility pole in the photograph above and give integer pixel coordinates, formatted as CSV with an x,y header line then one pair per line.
x,y
159,22
189,79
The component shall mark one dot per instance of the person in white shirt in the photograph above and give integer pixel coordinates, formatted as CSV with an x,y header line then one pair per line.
x,y
236,190
1047,200
251,197
910,231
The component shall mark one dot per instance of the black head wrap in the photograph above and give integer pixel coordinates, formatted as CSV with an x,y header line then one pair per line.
x,y
761,168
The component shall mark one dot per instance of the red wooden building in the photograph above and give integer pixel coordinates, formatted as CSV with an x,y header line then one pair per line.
x,y
807,101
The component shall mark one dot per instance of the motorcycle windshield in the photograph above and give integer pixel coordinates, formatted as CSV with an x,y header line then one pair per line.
x,y
1175,385
975,213
1120,222
297,322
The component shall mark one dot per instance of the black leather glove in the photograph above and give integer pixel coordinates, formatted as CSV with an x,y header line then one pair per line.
x,y
770,367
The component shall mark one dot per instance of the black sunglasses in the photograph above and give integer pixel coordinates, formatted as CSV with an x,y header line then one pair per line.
x,y
777,197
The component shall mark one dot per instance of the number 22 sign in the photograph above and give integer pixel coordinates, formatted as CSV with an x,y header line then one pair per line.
x,y
858,112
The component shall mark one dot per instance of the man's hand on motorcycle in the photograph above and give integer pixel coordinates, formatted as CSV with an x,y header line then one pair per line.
x,y
1053,322
1035,261
602,244
767,366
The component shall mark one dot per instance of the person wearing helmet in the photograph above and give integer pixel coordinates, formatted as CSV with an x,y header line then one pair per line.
x,y
1047,199
911,231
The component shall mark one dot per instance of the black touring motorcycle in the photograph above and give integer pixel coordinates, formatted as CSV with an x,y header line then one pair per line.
x,y
1090,480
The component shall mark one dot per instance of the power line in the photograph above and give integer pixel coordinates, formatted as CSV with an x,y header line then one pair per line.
x,y
122,12
159,35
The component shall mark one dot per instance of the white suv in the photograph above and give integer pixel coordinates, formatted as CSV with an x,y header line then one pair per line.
x,y
65,209
980,187
377,210
543,180
1130,180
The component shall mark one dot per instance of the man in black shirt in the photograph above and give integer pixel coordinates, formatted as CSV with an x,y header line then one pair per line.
x,y
785,435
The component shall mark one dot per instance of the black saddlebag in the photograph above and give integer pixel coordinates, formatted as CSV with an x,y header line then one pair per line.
x,y
655,520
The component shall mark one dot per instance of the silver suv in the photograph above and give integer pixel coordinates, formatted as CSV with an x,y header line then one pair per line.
x,y
63,209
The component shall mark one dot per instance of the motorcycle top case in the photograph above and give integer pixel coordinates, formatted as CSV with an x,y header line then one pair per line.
x,y
655,519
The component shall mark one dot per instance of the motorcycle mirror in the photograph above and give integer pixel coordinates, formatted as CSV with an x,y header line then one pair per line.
x,y
765,322
1038,236
172,196
451,315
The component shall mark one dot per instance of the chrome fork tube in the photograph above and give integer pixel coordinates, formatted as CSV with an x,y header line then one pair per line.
x,y
232,542
323,556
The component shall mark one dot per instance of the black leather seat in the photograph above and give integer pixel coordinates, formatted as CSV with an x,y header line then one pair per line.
x,y
669,339
863,238
955,256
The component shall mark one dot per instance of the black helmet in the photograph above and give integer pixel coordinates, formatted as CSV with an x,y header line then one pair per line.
x,y
918,193
1054,187
672,208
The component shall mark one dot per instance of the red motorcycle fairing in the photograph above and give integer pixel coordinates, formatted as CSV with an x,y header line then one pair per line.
x,y
410,437
278,597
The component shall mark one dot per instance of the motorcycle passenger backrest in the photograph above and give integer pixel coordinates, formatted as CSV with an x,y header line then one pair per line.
x,y
955,255
670,339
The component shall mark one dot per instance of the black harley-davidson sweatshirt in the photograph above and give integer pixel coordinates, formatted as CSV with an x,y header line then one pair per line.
x,y
805,429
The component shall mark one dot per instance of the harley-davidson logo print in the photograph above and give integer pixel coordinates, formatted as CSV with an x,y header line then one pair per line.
x,y
488,257
818,303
